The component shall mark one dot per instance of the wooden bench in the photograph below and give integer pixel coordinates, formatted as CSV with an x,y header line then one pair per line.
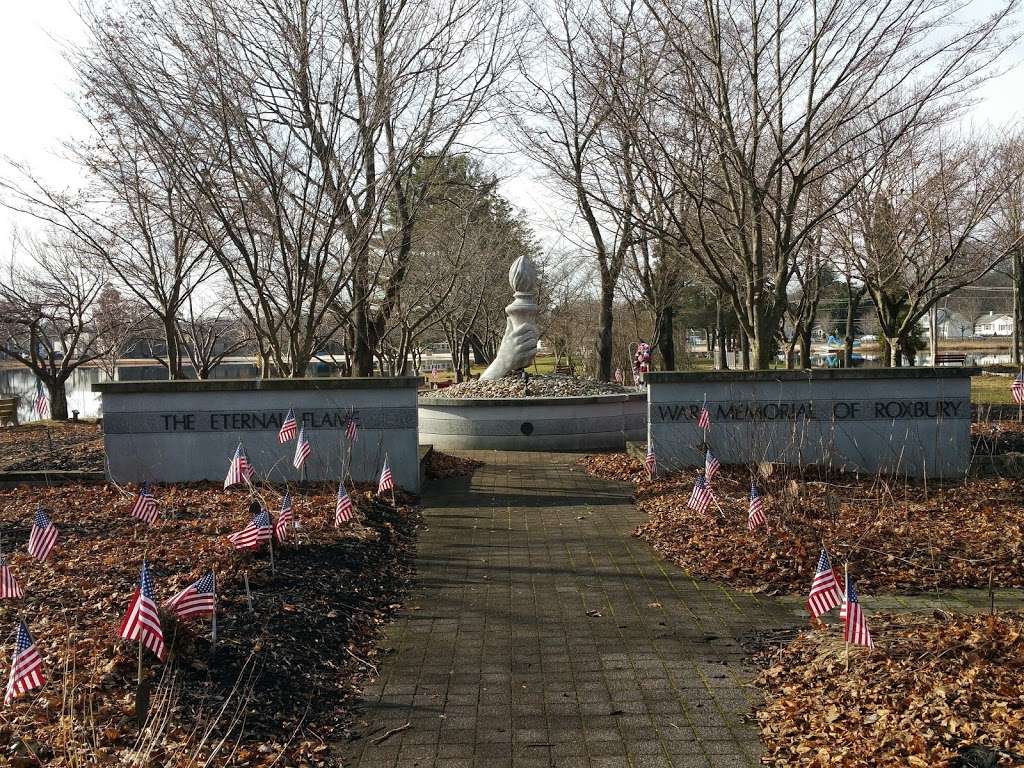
x,y
950,358
566,370
9,410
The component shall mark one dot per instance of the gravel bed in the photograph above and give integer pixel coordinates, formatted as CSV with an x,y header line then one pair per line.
x,y
542,385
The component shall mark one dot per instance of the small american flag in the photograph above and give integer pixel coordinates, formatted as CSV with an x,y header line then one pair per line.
x,y
756,515
704,419
386,482
711,465
284,518
288,427
41,405
43,536
142,621
240,470
650,463
1017,389
302,450
855,626
26,666
826,592
197,599
343,507
144,507
255,533
9,586
701,495
351,428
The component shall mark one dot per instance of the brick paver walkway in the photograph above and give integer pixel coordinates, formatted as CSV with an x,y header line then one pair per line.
x,y
541,633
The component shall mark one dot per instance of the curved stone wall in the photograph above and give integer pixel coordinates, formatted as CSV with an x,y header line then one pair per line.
x,y
600,422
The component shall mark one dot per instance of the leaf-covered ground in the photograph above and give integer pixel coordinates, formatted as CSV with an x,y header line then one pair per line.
x,y
935,691
897,536
65,445
439,466
278,681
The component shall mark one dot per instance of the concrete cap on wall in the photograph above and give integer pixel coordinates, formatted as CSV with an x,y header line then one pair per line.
x,y
812,374
256,385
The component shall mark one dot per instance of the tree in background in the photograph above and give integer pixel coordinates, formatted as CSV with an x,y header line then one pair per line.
x,y
49,302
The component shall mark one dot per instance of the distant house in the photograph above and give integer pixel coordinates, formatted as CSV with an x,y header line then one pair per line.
x,y
952,325
994,325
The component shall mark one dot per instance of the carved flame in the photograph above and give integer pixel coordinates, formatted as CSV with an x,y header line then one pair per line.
x,y
522,275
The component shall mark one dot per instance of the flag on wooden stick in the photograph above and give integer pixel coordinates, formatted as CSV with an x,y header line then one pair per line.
x,y
284,518
43,536
711,465
26,666
701,496
197,599
41,405
704,419
240,471
145,508
255,533
343,509
755,516
386,482
9,587
1017,389
288,426
826,592
142,621
351,428
855,626
650,462
302,450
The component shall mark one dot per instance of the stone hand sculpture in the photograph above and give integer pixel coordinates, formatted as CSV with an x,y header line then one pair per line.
x,y
519,344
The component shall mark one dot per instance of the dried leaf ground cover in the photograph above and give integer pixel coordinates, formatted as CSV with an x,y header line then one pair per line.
x,y
935,691
283,672
897,536
65,445
439,466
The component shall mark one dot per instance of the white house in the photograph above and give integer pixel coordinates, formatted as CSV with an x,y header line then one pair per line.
x,y
994,325
952,325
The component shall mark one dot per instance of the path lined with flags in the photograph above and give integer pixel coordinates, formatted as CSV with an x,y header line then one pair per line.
x,y
543,633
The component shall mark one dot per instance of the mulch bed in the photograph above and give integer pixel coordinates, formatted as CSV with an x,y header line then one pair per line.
x,y
63,445
285,673
897,536
935,691
443,465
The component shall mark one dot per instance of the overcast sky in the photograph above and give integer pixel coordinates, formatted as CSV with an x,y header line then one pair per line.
x,y
35,85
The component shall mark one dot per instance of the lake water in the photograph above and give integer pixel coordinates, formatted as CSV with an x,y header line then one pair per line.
x,y
81,398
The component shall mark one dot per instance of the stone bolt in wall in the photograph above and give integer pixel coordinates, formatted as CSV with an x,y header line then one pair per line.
x,y
180,431
913,421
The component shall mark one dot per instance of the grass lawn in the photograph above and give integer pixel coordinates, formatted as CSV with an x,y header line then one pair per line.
x,y
991,390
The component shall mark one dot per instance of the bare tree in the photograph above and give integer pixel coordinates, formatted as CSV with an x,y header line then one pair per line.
x,y
49,298
917,227
759,105
573,120
210,336
296,125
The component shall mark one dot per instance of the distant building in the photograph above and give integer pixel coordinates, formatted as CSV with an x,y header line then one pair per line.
x,y
952,325
994,325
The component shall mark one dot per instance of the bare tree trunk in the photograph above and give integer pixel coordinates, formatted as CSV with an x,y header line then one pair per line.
x,y
605,339
57,391
666,339
805,348
722,364
745,349
1018,277
933,332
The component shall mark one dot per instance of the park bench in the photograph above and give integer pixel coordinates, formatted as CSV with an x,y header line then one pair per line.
x,y
950,358
9,410
567,370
